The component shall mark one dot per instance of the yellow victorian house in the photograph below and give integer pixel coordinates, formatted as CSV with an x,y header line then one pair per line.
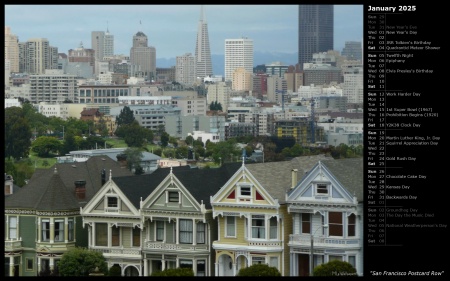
x,y
252,217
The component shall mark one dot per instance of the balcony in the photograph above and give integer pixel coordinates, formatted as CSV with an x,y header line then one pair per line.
x,y
162,246
13,245
117,251
319,241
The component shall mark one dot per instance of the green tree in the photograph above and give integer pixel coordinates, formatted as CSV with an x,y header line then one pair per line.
x,y
165,139
134,158
134,135
44,145
259,269
81,261
335,268
17,133
126,116
69,144
181,271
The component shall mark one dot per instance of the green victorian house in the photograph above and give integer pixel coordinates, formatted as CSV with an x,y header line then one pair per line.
x,y
42,219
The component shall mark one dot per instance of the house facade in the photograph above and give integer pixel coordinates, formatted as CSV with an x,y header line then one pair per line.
x,y
42,219
326,206
158,221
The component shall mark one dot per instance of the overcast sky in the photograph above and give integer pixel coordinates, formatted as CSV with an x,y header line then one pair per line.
x,y
172,29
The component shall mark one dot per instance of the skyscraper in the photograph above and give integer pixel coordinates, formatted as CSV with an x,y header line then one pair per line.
x,y
143,56
103,44
238,53
12,49
315,31
203,64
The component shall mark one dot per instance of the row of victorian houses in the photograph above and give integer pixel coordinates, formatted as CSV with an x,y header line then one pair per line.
x,y
215,221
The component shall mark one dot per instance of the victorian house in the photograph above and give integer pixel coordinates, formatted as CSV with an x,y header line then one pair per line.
x,y
42,219
327,210
252,216
157,221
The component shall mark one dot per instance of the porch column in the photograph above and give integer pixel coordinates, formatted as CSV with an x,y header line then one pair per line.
x,y
194,235
11,266
145,267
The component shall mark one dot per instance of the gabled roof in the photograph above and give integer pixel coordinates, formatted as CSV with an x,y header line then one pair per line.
x,y
347,173
276,177
201,183
43,180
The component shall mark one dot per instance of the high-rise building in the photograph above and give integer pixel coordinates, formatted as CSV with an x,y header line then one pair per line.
x,y
36,55
315,31
82,55
103,44
203,65
185,69
143,56
352,50
238,53
12,49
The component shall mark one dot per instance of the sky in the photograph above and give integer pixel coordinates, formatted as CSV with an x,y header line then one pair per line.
x,y
172,29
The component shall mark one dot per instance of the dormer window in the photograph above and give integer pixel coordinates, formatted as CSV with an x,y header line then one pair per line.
x,y
112,201
245,191
174,196
322,189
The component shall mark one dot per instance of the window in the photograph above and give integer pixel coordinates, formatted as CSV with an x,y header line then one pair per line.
x,y
332,258
258,260
115,236
101,234
174,196
352,261
201,268
274,261
306,223
201,233
258,227
59,230
273,228
230,226
12,227
186,229
186,263
322,189
45,228
29,264
136,237
71,229
112,202
159,230
351,225
335,221
245,191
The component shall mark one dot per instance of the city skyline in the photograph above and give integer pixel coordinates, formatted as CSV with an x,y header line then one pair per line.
x,y
176,37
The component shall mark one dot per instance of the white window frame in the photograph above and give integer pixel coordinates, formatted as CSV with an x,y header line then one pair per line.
x,y
60,236
45,230
264,226
13,227
233,224
322,186
108,207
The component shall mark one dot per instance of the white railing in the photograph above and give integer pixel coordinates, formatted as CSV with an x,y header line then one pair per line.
x,y
265,243
118,251
152,245
305,239
13,244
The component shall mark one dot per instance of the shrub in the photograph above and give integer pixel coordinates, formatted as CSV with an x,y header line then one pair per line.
x,y
259,270
181,271
335,268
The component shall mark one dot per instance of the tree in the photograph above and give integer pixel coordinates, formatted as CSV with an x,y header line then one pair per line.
x,y
216,106
81,261
134,158
165,139
125,117
69,144
335,268
17,133
259,269
181,271
44,145
134,135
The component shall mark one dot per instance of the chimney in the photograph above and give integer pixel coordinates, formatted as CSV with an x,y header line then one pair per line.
x,y
294,177
103,177
80,189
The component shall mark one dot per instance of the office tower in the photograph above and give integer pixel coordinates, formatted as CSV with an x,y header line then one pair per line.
x,y
143,56
315,31
103,44
203,64
82,55
12,49
185,69
352,50
36,55
238,53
